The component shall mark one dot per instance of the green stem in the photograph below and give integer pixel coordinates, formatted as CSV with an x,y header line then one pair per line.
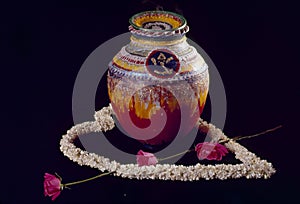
x,y
250,136
85,180
175,155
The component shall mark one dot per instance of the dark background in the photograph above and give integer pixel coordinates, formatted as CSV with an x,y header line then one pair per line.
x,y
254,45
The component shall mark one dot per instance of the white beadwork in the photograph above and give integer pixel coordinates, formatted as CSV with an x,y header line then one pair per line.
x,y
251,166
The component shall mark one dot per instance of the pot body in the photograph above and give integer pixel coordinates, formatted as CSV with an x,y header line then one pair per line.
x,y
158,83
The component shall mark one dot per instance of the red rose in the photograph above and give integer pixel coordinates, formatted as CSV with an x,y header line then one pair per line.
x,y
210,151
52,186
145,158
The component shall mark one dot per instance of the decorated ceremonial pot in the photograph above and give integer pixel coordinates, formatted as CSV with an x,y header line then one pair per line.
x,y
158,83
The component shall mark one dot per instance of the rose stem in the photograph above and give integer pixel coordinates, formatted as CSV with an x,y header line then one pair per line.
x,y
250,136
175,155
85,180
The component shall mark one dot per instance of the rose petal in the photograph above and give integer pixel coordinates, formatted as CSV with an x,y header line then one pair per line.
x,y
145,158
210,151
51,186
55,195
49,176
152,161
141,152
222,149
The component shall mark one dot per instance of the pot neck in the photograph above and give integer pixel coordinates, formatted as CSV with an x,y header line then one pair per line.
x,y
158,41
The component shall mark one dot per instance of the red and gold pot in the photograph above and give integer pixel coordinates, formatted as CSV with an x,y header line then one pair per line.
x,y
158,83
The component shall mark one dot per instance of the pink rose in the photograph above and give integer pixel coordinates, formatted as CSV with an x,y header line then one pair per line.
x,y
210,151
52,186
145,158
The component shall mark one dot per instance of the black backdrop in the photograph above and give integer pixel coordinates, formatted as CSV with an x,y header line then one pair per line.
x,y
253,44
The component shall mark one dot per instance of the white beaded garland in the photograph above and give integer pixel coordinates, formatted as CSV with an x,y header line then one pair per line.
x,y
251,166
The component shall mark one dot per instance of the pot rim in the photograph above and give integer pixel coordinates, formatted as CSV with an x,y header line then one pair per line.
x,y
167,14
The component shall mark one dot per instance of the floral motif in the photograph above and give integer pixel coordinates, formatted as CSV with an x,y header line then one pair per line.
x,y
52,186
210,151
145,158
